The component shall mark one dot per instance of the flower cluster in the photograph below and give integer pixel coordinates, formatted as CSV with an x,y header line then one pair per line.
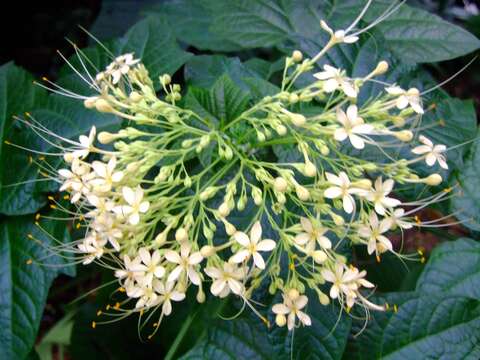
x,y
164,224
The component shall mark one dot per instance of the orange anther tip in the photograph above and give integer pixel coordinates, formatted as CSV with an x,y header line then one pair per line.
x,y
94,324
29,261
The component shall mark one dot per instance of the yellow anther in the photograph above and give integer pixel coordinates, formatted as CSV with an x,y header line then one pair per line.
x,y
37,216
41,158
420,251
294,256
50,197
442,122
44,78
30,159
291,266
94,324
378,258
387,306
43,173
155,324
66,197
121,289
141,312
30,236
78,225
107,307
417,220
27,113
447,190
395,308
7,142
117,306
37,223
52,206
99,312
348,309
422,260
81,218
29,261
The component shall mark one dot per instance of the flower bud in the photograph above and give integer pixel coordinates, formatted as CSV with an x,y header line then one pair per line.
x,y
165,79
297,56
281,130
298,119
135,96
208,193
230,228
337,219
381,68
324,299
89,103
433,180
257,196
404,135
280,184
302,193
293,98
207,251
324,150
224,209
241,203
102,105
280,320
161,238
200,296
293,294
363,184
181,235
319,256
68,157
228,153
310,169
106,138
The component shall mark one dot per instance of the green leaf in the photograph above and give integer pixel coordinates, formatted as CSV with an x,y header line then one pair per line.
x,y
415,35
152,41
453,268
466,200
23,286
223,103
191,22
17,95
425,327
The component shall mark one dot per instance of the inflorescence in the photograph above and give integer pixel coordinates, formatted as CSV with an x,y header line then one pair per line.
x,y
163,223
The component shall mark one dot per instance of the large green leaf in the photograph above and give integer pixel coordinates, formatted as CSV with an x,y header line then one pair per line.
x,y
17,95
24,286
411,33
247,337
223,103
466,200
425,327
453,268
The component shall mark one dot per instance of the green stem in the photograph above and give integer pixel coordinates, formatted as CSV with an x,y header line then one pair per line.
x,y
178,339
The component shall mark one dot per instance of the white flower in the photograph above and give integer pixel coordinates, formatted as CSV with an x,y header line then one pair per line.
x,y
340,36
252,245
379,197
149,268
93,247
312,233
128,274
166,293
106,175
377,243
106,226
147,296
334,79
119,67
292,305
135,204
85,144
432,153
397,219
102,205
342,189
352,126
406,97
186,263
227,279
345,282
76,180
